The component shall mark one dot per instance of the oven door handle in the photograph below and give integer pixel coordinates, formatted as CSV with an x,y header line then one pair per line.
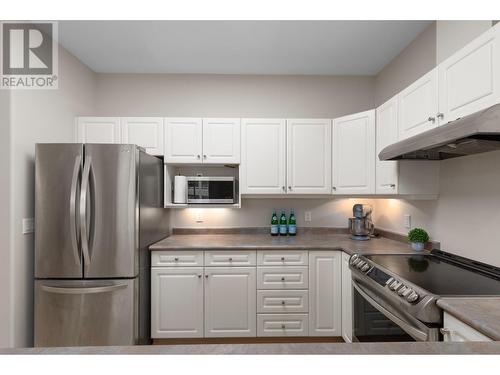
x,y
408,328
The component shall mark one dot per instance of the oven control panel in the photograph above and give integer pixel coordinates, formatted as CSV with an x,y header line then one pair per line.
x,y
393,284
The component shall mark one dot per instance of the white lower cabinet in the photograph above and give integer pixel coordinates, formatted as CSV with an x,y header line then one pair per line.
x,y
177,302
454,330
346,299
230,306
282,325
325,293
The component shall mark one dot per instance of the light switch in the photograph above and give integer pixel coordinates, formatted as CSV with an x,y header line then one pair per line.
x,y
28,225
407,220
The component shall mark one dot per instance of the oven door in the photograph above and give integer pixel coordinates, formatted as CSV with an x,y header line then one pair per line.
x,y
377,322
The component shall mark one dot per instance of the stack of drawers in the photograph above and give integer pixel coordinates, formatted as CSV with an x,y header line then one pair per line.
x,y
282,293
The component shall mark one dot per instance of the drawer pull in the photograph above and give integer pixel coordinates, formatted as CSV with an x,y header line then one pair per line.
x,y
283,303
283,259
282,279
230,259
199,276
283,326
176,259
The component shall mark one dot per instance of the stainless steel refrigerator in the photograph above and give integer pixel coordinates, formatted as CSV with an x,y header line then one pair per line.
x,y
97,208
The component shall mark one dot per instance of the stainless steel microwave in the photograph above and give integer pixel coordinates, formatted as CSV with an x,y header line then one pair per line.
x,y
212,190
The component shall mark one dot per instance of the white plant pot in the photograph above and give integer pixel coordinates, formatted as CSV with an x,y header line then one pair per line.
x,y
417,246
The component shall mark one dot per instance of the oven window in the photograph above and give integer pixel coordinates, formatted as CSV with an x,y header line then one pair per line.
x,y
221,190
370,325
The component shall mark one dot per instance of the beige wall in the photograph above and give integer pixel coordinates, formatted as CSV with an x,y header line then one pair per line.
x,y
38,116
466,216
232,95
412,63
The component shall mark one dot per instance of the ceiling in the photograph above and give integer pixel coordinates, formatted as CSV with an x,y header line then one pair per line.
x,y
238,47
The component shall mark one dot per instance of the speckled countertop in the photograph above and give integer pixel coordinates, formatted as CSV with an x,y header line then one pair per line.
x,y
259,241
313,348
482,314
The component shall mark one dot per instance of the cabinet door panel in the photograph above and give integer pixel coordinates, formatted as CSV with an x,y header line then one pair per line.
x,y
386,174
230,302
263,156
309,155
183,140
469,80
176,302
221,140
354,154
98,130
325,299
418,106
146,132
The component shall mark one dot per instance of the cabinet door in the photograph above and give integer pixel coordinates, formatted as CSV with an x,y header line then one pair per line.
x,y
346,299
325,293
221,140
386,172
309,154
469,80
354,154
146,132
418,106
230,302
98,130
262,167
176,302
183,140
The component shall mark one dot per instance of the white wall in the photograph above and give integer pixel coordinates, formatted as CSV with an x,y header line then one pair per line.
x,y
466,217
38,116
5,217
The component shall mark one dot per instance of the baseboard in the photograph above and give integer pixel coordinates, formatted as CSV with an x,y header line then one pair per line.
x,y
246,340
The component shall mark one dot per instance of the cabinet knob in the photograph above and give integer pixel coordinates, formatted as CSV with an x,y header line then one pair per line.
x,y
283,302
197,156
283,259
230,259
176,259
334,188
393,186
431,119
206,276
284,188
440,115
204,156
283,326
282,279
290,188
199,276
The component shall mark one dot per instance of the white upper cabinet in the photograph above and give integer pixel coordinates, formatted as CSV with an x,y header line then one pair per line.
x,y
183,140
418,106
354,154
386,174
262,168
98,130
309,156
469,80
221,140
146,132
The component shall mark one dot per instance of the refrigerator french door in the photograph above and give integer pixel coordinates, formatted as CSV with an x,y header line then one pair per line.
x,y
93,210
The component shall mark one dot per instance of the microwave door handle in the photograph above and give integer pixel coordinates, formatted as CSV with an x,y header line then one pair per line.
x,y
411,330
72,210
83,210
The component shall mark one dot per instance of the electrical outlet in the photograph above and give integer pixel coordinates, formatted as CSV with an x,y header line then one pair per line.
x,y
28,225
307,216
407,220
199,216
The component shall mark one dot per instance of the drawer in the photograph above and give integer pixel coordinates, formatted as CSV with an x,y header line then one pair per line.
x,y
282,258
282,325
180,258
282,301
455,330
282,277
230,258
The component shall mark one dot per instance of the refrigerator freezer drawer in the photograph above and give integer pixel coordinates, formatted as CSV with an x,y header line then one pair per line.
x,y
86,313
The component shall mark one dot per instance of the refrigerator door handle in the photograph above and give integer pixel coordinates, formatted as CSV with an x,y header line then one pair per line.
x,y
88,290
83,210
72,210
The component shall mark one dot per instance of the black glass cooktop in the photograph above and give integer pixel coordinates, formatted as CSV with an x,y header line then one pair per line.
x,y
444,274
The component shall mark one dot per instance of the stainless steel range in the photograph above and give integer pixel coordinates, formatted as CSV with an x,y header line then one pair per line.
x,y
395,295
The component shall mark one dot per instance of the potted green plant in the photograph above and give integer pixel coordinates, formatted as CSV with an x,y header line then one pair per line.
x,y
418,238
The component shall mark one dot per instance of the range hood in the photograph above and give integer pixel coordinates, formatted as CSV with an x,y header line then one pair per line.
x,y
473,134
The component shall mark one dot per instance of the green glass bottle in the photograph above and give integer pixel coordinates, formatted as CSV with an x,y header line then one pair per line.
x,y
292,224
274,224
283,223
